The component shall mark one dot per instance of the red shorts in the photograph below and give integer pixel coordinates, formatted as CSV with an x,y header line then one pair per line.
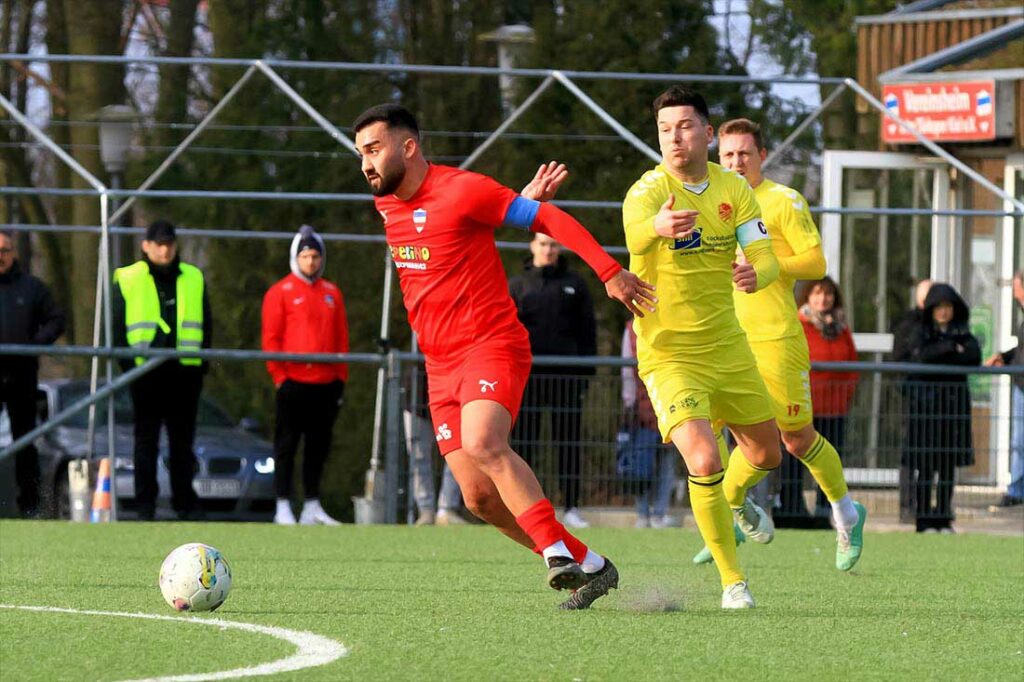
x,y
486,373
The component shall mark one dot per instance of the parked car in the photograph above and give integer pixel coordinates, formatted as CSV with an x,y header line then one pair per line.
x,y
234,466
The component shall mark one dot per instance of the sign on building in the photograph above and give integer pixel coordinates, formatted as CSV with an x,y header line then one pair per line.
x,y
943,112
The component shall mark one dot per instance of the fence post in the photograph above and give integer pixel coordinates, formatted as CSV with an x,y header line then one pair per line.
x,y
392,434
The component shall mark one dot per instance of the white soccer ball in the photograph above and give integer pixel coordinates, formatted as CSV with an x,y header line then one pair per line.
x,y
195,577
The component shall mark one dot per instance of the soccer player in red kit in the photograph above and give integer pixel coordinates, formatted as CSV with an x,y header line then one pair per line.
x,y
439,223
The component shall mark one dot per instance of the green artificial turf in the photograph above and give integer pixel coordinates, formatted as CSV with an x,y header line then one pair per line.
x,y
463,603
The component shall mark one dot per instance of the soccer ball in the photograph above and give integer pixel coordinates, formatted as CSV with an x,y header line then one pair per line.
x,y
195,577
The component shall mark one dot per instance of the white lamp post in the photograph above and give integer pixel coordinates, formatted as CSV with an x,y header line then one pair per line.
x,y
512,40
116,128
116,122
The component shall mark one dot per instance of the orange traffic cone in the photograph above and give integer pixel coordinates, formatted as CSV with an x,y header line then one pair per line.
x,y
101,498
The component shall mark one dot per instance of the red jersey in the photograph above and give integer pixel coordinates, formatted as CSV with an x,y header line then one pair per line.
x,y
299,317
453,283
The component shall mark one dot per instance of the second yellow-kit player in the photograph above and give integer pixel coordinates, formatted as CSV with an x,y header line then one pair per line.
x,y
776,336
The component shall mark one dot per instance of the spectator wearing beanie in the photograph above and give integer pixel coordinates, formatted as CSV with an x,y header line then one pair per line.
x,y
304,313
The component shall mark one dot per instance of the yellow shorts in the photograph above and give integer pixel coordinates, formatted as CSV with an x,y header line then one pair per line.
x,y
785,366
715,383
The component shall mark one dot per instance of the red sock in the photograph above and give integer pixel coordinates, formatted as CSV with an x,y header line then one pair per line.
x,y
540,524
578,549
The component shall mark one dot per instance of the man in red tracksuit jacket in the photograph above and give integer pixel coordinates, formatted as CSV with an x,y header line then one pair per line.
x,y
304,313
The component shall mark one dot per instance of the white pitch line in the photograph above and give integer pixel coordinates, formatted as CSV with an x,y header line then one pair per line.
x,y
312,650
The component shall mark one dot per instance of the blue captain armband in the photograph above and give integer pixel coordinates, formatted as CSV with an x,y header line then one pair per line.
x,y
751,231
521,213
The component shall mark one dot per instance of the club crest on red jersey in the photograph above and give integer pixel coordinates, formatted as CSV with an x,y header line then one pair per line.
x,y
419,219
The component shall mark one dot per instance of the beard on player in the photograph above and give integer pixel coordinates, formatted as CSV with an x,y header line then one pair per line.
x,y
388,178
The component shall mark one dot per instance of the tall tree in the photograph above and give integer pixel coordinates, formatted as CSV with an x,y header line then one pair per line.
x,y
91,28
21,164
172,98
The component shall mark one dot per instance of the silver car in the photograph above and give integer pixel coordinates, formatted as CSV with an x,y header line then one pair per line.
x,y
234,467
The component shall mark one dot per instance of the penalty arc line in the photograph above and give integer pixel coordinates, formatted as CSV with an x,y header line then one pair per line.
x,y
312,650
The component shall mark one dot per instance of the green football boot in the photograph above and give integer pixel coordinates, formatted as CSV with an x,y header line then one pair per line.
x,y
704,555
850,544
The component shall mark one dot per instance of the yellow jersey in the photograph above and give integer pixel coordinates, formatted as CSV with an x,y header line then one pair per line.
x,y
693,275
770,313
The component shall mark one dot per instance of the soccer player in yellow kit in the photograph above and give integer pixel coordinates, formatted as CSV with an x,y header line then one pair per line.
x,y
776,336
683,222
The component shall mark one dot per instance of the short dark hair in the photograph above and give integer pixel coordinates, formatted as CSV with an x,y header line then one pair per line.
x,y
826,283
742,126
678,96
394,115
7,233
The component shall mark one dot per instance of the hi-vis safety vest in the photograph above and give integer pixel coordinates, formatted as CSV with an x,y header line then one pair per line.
x,y
142,308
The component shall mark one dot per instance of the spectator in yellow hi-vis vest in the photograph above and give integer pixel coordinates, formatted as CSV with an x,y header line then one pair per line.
x,y
160,302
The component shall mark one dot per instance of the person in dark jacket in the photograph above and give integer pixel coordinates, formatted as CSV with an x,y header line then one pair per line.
x,y
904,327
1014,357
938,434
305,313
557,310
902,332
161,302
28,315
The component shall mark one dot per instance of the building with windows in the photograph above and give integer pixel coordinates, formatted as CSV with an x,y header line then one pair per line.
x,y
955,70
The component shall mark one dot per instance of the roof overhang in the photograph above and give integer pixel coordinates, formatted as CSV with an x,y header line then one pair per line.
x,y
972,48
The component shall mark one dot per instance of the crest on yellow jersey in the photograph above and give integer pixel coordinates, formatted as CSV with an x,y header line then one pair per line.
x,y
725,211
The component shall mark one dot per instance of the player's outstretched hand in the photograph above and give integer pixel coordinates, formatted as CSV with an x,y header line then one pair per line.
x,y
632,292
744,277
674,224
546,181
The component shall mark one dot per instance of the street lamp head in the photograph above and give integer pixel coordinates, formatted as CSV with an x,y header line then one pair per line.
x,y
116,122
513,41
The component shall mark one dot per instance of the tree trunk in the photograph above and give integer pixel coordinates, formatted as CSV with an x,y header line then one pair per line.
x,y
172,104
92,28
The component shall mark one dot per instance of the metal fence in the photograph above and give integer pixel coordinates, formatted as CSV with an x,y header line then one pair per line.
x,y
907,442
919,443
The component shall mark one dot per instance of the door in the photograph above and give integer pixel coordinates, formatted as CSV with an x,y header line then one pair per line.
x,y
877,258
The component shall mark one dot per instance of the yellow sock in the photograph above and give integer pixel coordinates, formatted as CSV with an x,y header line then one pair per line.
x,y
723,449
740,477
822,461
714,520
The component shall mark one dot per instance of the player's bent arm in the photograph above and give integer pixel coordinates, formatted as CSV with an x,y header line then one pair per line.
x,y
563,228
622,285
809,264
638,222
758,252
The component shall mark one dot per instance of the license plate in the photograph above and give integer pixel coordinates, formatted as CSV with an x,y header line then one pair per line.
x,y
217,487
125,486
